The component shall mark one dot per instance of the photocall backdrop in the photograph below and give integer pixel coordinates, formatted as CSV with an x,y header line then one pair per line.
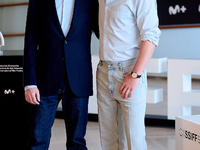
x,y
178,12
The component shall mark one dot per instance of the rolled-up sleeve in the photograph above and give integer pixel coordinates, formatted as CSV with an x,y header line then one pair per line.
x,y
147,20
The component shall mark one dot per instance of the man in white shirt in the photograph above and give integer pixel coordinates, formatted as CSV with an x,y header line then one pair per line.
x,y
128,35
57,64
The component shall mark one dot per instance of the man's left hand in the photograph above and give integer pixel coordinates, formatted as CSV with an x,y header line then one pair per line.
x,y
128,86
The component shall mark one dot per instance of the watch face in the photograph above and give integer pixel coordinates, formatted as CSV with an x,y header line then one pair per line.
x,y
134,75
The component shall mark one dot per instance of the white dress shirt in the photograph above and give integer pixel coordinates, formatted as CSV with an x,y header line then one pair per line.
x,y
65,10
124,24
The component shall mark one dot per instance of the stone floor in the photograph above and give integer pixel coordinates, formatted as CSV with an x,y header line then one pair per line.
x,y
158,138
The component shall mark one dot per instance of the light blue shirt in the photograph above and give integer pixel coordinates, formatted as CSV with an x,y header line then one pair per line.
x,y
124,24
65,9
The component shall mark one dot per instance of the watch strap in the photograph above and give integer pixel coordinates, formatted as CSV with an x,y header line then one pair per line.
x,y
138,76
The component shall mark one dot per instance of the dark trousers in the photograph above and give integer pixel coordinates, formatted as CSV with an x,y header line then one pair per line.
x,y
75,114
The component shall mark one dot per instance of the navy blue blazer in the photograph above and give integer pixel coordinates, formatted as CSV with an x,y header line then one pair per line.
x,y
48,54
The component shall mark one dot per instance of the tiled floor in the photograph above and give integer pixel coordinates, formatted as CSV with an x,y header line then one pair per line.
x,y
157,138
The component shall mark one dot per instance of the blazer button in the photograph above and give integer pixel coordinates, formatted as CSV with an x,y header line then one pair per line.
x,y
65,41
63,58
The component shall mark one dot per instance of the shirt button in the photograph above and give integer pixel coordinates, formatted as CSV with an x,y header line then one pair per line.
x,y
63,58
65,41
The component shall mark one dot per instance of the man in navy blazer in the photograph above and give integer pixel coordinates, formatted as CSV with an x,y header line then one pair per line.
x,y
57,64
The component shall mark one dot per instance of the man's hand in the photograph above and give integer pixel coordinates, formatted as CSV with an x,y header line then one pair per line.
x,y
32,96
128,86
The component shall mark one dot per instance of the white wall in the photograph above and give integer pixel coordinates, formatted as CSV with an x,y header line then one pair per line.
x,y
12,20
179,43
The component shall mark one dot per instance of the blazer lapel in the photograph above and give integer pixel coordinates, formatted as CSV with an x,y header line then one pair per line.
x,y
77,6
50,7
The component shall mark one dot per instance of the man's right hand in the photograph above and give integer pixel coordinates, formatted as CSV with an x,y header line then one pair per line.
x,y
32,96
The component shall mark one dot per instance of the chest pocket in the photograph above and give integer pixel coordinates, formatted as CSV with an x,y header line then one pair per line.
x,y
120,17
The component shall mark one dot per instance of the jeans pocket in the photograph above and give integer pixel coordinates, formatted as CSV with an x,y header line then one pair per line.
x,y
99,64
48,100
128,69
144,78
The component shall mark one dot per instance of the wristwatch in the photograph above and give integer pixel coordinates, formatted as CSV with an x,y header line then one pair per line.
x,y
135,75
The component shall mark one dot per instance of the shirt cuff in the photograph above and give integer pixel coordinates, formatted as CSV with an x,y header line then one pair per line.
x,y
29,87
152,39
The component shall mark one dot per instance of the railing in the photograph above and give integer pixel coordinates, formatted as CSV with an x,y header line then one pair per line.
x,y
13,34
13,4
179,26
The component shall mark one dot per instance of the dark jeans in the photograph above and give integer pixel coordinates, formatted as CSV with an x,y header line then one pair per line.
x,y
75,114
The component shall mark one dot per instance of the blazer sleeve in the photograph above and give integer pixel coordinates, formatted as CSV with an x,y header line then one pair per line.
x,y
95,17
30,46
